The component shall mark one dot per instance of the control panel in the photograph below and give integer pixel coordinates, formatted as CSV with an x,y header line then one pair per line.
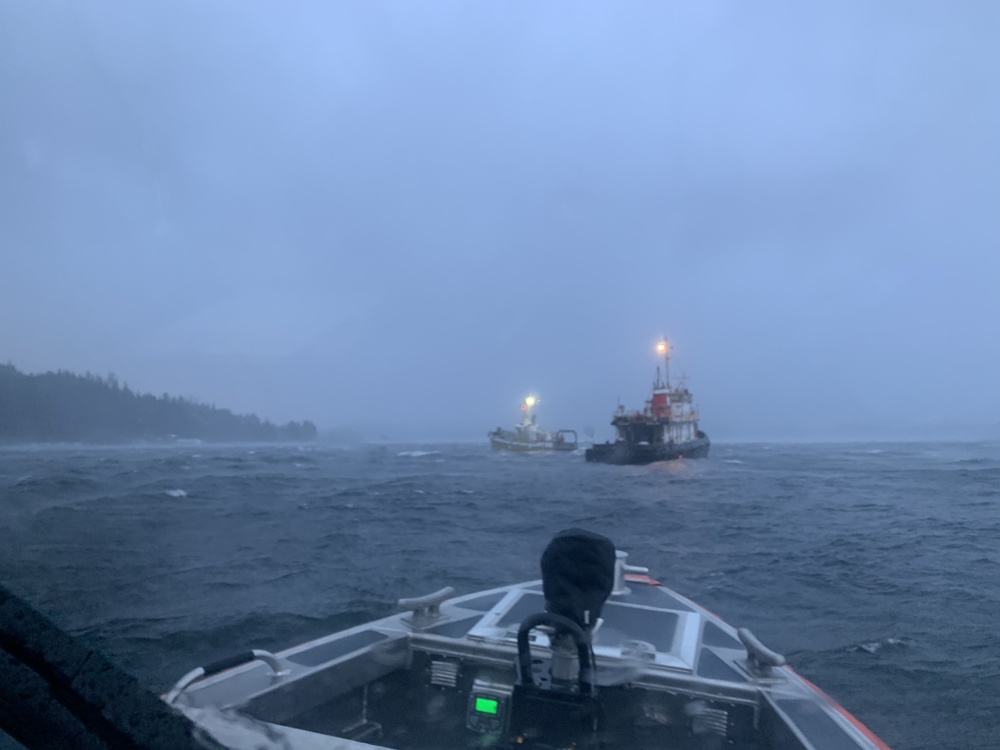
x,y
489,707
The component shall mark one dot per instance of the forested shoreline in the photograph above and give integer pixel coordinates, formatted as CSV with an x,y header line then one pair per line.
x,y
68,407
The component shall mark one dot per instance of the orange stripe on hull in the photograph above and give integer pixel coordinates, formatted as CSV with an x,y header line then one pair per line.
x,y
847,715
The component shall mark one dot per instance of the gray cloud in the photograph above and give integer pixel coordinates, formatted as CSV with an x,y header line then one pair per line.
x,y
408,215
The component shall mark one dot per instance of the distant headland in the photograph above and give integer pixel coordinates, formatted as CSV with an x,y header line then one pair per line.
x,y
67,407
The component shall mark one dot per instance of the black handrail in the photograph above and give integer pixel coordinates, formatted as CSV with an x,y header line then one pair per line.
x,y
560,623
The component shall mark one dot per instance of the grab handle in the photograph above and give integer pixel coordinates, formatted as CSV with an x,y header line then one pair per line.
x,y
221,665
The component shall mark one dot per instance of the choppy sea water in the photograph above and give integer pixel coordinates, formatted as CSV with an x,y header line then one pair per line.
x,y
875,568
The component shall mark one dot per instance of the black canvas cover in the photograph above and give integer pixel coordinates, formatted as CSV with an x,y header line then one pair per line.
x,y
578,573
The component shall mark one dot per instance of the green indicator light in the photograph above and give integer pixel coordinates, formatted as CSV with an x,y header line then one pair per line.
x,y
487,705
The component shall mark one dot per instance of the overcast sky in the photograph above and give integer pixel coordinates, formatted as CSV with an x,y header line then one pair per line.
x,y
406,216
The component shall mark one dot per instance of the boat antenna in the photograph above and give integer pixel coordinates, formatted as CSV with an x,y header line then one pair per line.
x,y
528,407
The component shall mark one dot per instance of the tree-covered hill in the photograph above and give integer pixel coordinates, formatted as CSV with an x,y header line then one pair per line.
x,y
63,406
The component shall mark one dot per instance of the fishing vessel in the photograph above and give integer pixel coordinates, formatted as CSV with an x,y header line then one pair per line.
x,y
665,429
596,654
527,436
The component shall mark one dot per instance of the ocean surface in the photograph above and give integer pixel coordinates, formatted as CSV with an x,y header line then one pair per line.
x,y
875,568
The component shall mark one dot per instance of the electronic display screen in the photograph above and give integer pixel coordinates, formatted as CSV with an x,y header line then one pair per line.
x,y
487,705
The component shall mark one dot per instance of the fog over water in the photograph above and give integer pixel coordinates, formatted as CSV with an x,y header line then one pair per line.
x,y
403,217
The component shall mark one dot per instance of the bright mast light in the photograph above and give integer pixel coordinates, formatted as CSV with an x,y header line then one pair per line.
x,y
663,349
530,401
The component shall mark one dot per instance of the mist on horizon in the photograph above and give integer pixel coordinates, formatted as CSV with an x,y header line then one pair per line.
x,y
398,221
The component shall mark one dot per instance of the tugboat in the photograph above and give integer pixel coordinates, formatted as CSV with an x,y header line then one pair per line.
x,y
666,429
597,655
527,437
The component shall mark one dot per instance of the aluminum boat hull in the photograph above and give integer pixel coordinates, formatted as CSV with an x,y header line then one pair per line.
x,y
669,674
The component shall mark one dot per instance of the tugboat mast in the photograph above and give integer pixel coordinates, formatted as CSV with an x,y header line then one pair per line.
x,y
664,348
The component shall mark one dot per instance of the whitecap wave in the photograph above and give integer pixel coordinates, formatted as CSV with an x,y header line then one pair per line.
x,y
176,493
873,647
417,454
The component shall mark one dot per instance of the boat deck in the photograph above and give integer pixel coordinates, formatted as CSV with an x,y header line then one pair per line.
x,y
669,674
